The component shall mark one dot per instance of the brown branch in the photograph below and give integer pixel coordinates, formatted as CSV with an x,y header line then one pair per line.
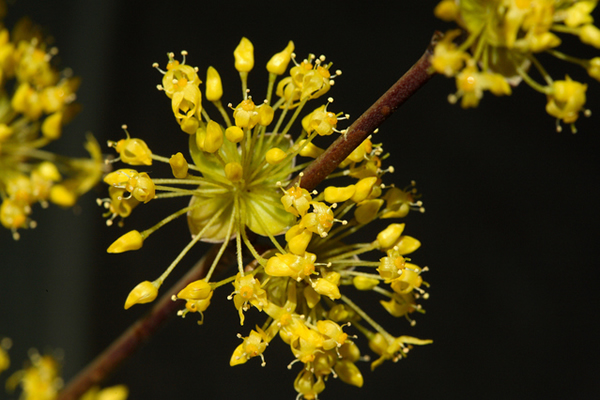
x,y
130,340
134,337
417,76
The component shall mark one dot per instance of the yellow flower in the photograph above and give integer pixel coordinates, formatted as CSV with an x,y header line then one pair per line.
x,y
37,103
566,100
253,345
501,42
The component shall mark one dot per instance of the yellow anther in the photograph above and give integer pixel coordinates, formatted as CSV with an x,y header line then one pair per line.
x,y
244,56
144,292
339,194
388,237
132,240
234,171
214,87
275,155
279,62
234,134
179,165
214,137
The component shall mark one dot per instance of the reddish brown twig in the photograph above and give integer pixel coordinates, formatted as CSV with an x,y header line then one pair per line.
x,y
134,337
370,120
144,328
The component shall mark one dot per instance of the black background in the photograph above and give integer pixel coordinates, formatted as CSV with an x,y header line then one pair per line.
x,y
510,232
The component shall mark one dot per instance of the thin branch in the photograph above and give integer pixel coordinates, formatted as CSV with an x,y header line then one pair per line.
x,y
417,76
130,340
319,169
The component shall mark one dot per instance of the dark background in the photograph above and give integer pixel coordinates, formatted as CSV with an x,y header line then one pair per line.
x,y
510,232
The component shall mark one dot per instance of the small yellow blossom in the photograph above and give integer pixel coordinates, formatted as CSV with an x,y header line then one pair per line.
x,y
498,42
38,101
144,292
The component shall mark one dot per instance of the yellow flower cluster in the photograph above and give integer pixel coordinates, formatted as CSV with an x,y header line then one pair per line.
x,y
35,102
239,181
498,43
40,378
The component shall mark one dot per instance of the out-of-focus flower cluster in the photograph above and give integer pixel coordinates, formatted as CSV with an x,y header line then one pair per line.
x,y
40,378
36,100
240,182
498,43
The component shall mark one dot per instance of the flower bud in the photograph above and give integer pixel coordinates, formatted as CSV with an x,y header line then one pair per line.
x,y
244,56
265,114
275,155
198,290
179,165
446,10
367,211
339,194
48,171
407,244
326,288
310,150
279,62
234,134
589,34
52,126
349,373
132,240
388,237
214,137
214,87
593,68
234,171
298,243
364,283
189,125
145,292
60,195
364,188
